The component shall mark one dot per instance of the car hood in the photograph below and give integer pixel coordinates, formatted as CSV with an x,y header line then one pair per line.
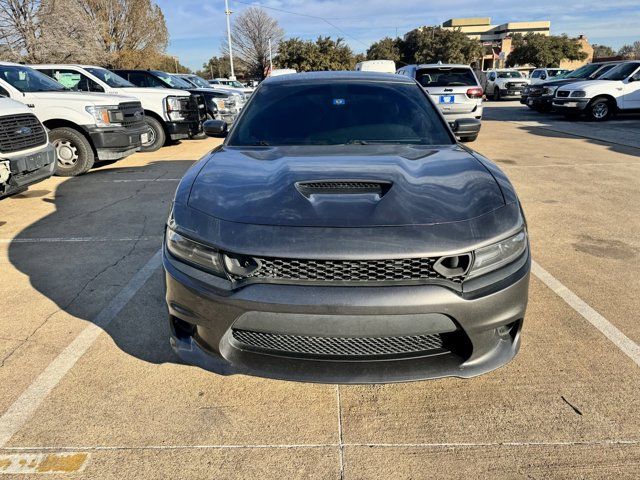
x,y
388,186
95,98
591,84
152,91
560,82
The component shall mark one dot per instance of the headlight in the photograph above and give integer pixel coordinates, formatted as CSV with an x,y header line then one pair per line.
x,y
498,255
549,90
579,94
173,106
197,254
101,115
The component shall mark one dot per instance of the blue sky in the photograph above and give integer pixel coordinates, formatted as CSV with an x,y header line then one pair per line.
x,y
197,27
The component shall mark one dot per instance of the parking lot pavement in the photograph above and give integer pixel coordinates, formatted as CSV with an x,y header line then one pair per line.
x,y
87,370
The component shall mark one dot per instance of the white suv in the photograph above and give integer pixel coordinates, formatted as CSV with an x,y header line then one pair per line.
x,y
505,83
26,156
618,90
540,75
456,91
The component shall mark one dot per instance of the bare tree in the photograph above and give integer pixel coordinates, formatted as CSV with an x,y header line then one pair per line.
x,y
19,28
251,32
130,31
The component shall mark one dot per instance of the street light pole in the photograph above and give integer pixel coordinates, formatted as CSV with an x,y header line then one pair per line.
x,y
270,57
228,14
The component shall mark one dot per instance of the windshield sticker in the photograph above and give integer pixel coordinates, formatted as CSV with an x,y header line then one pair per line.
x,y
338,102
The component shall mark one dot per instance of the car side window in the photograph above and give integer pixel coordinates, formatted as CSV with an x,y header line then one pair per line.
x,y
76,81
636,76
492,76
3,92
536,74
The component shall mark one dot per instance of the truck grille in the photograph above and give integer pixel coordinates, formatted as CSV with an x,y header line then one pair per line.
x,y
20,132
348,271
190,108
133,114
339,346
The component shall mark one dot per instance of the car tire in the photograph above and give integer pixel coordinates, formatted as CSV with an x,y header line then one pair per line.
x,y
496,94
74,154
600,110
471,138
157,137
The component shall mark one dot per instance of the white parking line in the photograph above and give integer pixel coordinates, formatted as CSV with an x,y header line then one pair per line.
x,y
24,407
619,339
78,239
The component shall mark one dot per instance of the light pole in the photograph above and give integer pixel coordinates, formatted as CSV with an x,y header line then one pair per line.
x,y
228,14
270,57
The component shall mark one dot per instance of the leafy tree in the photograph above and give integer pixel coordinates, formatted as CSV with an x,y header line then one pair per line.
x,y
544,51
386,49
217,67
600,51
630,51
434,44
323,54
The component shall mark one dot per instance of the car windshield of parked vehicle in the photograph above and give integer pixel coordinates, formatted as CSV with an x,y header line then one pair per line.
x,y
558,73
510,74
584,72
234,84
197,81
621,72
339,113
446,77
172,81
26,79
110,78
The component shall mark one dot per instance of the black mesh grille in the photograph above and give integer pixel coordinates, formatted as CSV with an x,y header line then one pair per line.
x,y
563,93
392,270
20,132
133,114
342,187
339,346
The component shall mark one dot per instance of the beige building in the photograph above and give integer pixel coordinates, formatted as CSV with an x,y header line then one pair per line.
x,y
496,39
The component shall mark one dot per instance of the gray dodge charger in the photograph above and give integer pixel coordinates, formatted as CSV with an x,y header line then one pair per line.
x,y
340,234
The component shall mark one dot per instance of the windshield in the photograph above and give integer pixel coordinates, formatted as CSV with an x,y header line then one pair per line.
x,y
26,79
234,83
584,71
558,73
510,74
198,82
621,72
339,113
446,77
172,80
110,78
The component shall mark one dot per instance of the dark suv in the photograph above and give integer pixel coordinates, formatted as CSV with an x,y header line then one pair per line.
x,y
341,234
540,96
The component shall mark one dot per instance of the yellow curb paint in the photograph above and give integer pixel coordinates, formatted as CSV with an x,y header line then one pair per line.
x,y
43,463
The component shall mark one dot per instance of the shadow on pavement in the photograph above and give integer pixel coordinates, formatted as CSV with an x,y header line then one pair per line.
x,y
81,277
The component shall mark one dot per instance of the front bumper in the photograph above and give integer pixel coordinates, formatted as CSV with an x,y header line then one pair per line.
x,y
537,101
570,105
29,169
182,130
483,329
511,92
117,142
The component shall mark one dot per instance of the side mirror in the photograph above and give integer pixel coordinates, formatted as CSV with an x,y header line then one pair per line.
x,y
215,128
455,126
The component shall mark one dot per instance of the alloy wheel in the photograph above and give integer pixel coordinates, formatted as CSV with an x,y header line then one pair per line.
x,y
600,111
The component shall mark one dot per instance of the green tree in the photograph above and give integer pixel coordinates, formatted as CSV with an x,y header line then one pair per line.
x,y
386,49
600,51
323,54
216,67
544,51
436,44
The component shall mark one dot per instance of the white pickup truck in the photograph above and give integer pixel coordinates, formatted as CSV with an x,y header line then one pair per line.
x,y
503,83
169,114
616,91
83,127
26,156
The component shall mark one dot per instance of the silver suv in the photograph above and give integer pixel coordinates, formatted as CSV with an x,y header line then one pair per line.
x,y
457,92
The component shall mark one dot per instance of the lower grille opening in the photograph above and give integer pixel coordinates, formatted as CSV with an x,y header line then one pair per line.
x,y
339,347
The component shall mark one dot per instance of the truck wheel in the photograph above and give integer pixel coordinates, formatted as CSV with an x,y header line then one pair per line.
x,y
74,155
600,110
157,137
496,94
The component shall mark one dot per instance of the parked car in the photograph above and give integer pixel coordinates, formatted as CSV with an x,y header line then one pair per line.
x,y
226,82
540,75
504,83
201,105
382,66
282,71
83,127
169,114
226,100
618,90
26,156
540,96
457,92
341,235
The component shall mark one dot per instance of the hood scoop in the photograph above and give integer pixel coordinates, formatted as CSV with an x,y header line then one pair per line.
x,y
343,187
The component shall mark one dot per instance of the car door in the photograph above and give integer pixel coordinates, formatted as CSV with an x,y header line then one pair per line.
x,y
535,77
631,92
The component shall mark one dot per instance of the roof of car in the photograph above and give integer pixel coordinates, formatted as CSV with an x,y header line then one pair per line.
x,y
442,65
337,76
